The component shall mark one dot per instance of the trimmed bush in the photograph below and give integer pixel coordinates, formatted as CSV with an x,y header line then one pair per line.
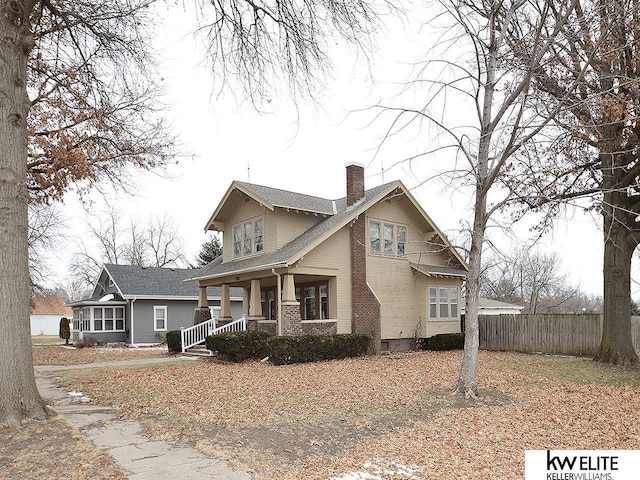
x,y
174,342
239,346
444,341
65,330
313,348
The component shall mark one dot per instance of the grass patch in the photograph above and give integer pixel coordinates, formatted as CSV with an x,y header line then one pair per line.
x,y
61,355
46,340
581,370
52,449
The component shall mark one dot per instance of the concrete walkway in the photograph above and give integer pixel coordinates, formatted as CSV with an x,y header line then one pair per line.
x,y
123,439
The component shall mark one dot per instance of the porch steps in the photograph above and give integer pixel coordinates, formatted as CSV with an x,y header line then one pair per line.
x,y
198,351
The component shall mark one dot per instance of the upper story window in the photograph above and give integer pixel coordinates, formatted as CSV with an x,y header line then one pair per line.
x,y
387,238
247,238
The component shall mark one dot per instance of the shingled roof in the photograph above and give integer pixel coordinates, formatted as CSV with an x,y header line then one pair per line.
x,y
276,197
300,245
134,281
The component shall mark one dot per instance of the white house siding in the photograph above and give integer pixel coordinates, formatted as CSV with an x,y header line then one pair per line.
x,y
46,324
334,253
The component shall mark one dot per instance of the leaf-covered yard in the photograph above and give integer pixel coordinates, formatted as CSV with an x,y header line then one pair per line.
x,y
328,419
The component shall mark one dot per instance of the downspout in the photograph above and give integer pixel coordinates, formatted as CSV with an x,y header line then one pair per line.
x,y
279,293
133,300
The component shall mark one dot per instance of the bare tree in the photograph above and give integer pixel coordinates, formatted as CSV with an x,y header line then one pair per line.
x,y
104,44
495,89
164,245
530,279
593,147
154,244
45,223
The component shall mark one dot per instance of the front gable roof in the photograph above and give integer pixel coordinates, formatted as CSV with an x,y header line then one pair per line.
x,y
271,198
311,238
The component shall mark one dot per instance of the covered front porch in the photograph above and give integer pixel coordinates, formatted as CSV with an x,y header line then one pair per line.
x,y
279,301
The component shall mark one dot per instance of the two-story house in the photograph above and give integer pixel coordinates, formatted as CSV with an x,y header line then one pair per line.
x,y
372,262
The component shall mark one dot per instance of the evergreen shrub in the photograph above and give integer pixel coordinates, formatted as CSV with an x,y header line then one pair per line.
x,y
239,346
174,342
314,348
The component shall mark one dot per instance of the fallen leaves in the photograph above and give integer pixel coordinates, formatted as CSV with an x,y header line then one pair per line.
x,y
323,420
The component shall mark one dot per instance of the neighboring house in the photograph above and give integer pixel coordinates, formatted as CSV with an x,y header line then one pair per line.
x,y
372,263
46,313
137,305
486,306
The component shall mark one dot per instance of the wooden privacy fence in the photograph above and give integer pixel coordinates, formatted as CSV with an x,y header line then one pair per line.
x,y
552,334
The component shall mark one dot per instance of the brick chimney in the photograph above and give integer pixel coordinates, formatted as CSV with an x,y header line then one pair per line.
x,y
355,183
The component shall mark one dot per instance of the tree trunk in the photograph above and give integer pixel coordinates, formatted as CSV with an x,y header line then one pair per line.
x,y
19,397
616,346
467,381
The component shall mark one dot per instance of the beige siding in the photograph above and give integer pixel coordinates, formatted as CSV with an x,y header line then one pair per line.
x,y
334,253
403,292
437,326
246,211
393,281
419,247
290,225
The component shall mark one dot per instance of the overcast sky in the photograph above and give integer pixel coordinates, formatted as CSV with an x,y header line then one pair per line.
x,y
302,148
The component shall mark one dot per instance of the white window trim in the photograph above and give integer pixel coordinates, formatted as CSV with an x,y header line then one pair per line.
x,y
155,319
381,252
241,225
450,291
82,321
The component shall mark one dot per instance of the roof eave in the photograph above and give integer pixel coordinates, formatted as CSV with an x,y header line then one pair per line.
x,y
258,268
234,186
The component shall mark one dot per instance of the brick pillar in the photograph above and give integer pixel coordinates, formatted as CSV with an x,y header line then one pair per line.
x,y
201,315
291,322
365,309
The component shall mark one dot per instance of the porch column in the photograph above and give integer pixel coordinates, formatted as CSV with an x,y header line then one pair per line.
x,y
225,306
202,313
255,306
288,289
291,322
246,300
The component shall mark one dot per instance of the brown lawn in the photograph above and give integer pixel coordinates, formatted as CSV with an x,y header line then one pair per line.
x,y
317,421
44,354
54,449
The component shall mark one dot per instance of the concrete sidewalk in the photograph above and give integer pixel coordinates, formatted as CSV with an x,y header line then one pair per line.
x,y
142,458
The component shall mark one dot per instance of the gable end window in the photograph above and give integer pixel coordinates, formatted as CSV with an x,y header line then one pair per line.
x,y
248,238
159,319
387,239
443,303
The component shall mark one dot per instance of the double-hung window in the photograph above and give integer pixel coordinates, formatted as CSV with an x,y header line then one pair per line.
x,y
248,238
159,318
387,239
443,303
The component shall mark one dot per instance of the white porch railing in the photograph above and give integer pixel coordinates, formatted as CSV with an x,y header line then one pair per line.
x,y
192,336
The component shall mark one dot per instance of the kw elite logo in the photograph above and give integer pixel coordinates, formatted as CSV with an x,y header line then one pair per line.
x,y
581,467
582,464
